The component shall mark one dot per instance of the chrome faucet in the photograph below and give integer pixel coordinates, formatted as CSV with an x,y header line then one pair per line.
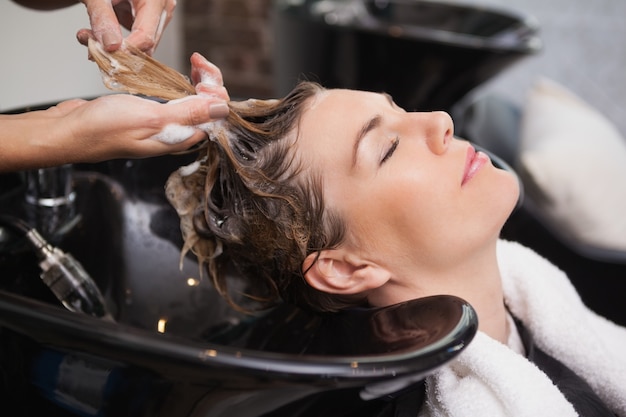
x,y
50,198
50,187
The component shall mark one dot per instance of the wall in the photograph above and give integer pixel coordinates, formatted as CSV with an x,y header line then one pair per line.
x,y
584,49
235,35
42,61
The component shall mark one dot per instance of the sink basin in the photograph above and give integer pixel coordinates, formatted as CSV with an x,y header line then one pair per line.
x,y
126,236
176,348
427,54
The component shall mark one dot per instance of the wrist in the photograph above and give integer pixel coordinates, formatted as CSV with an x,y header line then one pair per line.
x,y
32,140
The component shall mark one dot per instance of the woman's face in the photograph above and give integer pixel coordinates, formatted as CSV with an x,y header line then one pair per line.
x,y
407,188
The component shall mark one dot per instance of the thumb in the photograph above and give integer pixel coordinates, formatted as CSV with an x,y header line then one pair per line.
x,y
197,110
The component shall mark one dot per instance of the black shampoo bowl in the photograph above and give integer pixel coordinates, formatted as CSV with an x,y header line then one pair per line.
x,y
175,347
426,54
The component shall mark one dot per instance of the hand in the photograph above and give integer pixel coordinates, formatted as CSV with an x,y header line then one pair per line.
x,y
124,126
114,126
128,126
146,20
170,127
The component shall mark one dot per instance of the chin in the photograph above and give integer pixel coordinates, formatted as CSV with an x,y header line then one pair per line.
x,y
512,188
507,195
501,196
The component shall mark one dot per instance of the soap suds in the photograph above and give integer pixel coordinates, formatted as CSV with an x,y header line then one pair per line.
x,y
187,170
209,79
174,133
216,128
161,25
211,127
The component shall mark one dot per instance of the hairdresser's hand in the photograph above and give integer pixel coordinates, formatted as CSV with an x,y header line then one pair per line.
x,y
207,78
145,19
109,127
120,126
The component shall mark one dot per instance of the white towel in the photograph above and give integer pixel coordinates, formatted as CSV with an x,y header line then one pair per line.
x,y
490,379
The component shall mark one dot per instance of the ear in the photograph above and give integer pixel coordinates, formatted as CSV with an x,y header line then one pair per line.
x,y
338,271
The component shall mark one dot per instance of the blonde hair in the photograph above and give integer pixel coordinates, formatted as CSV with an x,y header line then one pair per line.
x,y
132,71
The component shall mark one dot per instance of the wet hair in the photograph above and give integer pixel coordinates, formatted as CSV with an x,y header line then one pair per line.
x,y
248,203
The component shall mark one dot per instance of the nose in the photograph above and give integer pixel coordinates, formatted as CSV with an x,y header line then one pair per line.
x,y
439,131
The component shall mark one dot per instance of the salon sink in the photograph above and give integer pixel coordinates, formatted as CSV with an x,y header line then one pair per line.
x,y
427,54
175,347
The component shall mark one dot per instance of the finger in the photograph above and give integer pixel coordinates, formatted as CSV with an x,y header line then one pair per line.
x,y
196,110
151,17
154,145
212,91
203,71
104,24
198,136
83,36
207,78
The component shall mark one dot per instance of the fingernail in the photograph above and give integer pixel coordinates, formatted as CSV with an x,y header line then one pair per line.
x,y
111,42
218,110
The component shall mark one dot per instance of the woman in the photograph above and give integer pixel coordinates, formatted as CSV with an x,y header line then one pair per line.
x,y
338,198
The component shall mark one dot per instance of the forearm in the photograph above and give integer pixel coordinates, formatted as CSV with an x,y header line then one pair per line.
x,y
32,140
45,4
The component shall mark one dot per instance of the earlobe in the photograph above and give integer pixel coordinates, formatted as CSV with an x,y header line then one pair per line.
x,y
336,272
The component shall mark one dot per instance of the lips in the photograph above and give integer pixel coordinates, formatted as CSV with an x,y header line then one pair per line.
x,y
473,163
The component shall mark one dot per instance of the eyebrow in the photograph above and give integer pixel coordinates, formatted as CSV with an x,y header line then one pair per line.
x,y
370,125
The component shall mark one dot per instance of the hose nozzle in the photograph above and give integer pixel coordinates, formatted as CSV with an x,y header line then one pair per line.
x,y
67,279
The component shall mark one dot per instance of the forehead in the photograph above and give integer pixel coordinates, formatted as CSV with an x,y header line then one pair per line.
x,y
338,112
330,123
339,102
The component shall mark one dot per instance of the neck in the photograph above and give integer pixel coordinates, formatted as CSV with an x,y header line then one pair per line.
x,y
476,280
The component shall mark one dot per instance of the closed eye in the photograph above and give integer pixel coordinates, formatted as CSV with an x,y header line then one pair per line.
x,y
391,150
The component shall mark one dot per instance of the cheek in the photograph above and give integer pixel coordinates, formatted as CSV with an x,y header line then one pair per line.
x,y
426,212
413,207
